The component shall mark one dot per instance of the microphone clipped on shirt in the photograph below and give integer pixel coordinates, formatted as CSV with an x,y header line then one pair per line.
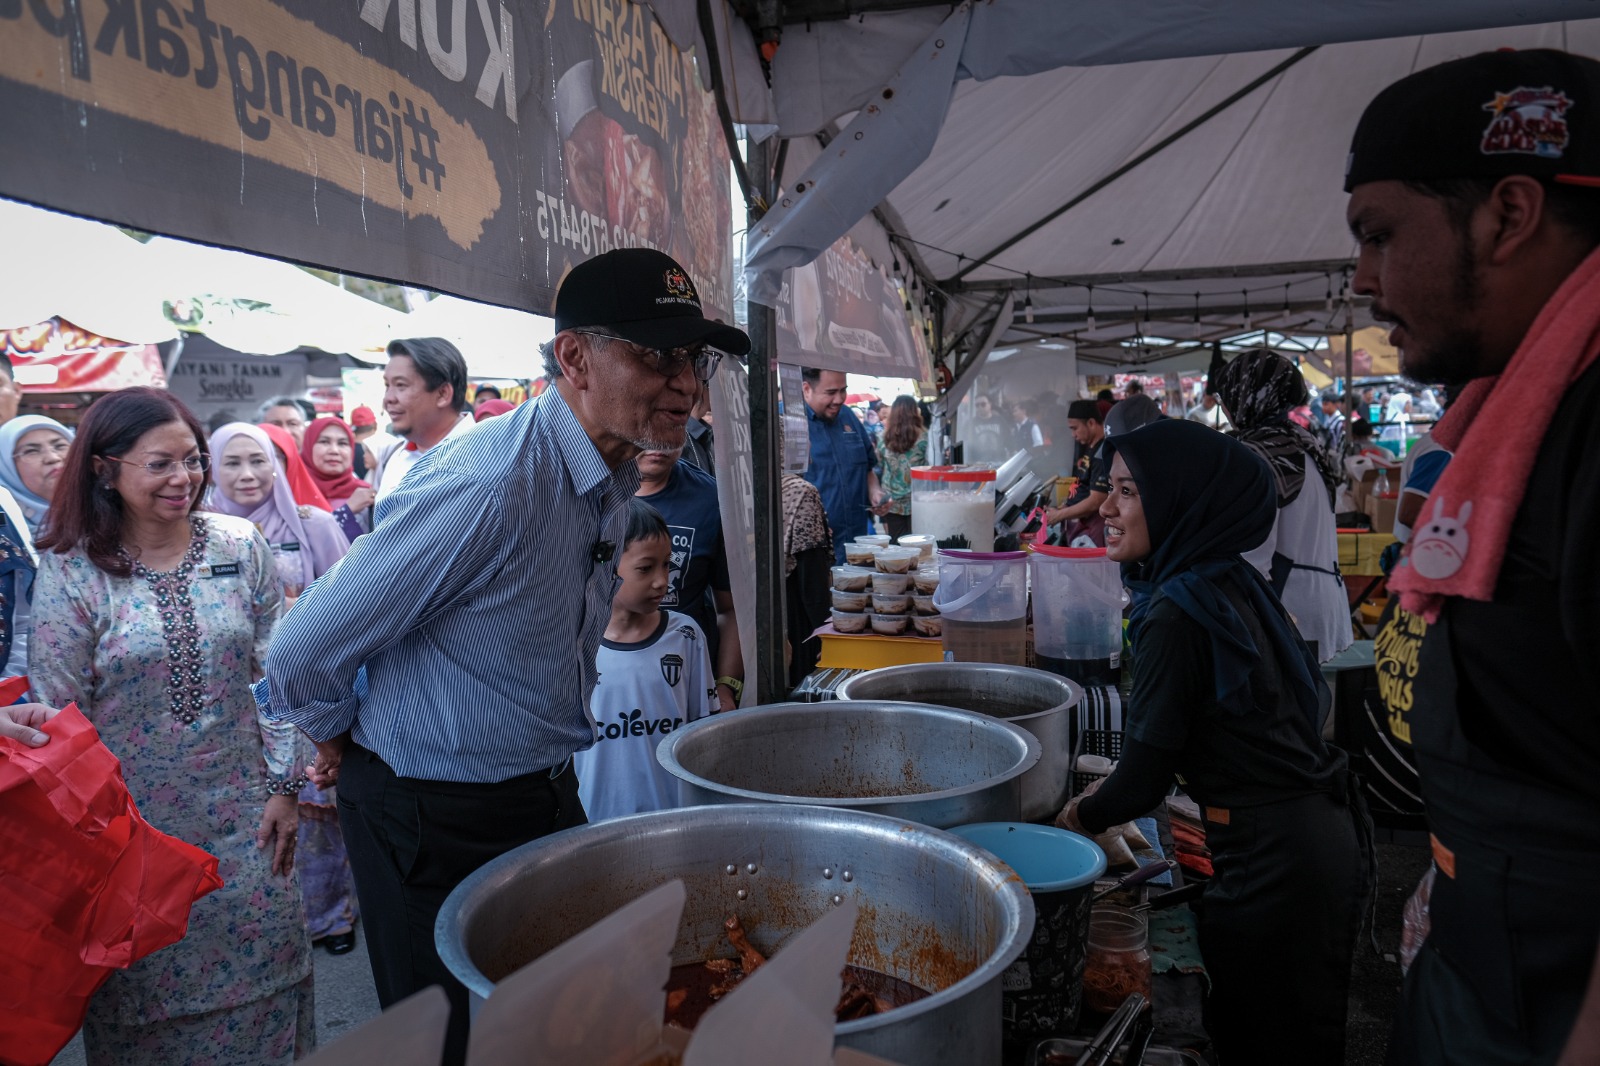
x,y
602,551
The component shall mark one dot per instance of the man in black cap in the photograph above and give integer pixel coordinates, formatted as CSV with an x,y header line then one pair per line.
x,y
476,606
1082,525
1475,196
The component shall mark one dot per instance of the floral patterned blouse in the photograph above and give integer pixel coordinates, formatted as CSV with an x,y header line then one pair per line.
x,y
894,472
162,663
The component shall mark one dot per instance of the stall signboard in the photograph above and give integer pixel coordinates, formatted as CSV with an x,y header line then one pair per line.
x,y
479,147
843,312
231,388
57,356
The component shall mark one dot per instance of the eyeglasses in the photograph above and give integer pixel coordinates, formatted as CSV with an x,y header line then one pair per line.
x,y
194,464
669,362
34,451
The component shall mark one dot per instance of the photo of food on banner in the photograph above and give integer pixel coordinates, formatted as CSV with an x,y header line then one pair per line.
x,y
643,158
842,311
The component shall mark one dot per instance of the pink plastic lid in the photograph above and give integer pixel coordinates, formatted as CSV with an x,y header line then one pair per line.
x,y
952,473
1059,552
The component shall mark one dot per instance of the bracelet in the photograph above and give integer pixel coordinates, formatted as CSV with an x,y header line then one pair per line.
x,y
735,684
286,786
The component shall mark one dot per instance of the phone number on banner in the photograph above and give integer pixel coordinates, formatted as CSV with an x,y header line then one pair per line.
x,y
583,231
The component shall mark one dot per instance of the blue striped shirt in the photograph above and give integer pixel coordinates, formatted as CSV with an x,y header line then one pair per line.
x,y
475,605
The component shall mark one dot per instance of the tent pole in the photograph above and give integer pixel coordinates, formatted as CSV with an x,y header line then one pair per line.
x,y
1349,366
766,449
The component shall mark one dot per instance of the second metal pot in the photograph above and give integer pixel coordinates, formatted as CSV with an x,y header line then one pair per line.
x,y
1040,702
933,765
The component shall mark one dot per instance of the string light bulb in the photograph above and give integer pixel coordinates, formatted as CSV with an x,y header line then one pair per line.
x,y
1090,321
1027,303
1196,327
1249,321
1286,298
1327,303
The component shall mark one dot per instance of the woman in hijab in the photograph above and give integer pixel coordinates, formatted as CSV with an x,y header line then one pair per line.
x,y
329,454
250,483
305,543
1227,695
32,450
1300,556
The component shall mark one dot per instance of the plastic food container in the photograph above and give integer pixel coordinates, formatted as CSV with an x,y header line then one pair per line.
x,y
859,554
926,543
890,625
851,601
890,584
951,502
877,540
891,603
928,625
849,621
893,560
852,578
923,605
927,579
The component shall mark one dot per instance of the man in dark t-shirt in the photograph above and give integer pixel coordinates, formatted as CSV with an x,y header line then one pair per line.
x,y
1081,524
1474,201
686,496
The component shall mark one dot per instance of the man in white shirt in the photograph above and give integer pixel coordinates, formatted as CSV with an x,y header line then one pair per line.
x,y
425,397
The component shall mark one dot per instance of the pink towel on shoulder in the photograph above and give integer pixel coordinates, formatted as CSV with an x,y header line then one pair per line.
x,y
1495,429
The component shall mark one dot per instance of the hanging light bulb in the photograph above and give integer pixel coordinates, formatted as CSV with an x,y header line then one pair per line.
x,y
1196,327
1286,298
1327,304
1249,322
896,264
1147,310
1027,302
1090,322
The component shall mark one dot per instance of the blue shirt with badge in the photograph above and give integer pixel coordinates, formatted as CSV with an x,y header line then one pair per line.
x,y
841,458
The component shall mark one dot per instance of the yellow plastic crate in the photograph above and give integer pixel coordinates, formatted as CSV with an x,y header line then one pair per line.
x,y
868,651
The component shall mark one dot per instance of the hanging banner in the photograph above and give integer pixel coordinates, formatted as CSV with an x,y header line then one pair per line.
x,y
479,147
56,356
232,387
841,312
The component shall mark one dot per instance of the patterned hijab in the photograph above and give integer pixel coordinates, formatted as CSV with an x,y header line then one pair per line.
x,y
1259,389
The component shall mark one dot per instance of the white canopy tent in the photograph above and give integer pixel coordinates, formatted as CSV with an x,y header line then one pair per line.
x,y
1176,157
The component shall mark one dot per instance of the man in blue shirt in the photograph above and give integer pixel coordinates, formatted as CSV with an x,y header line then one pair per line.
x,y
477,605
844,466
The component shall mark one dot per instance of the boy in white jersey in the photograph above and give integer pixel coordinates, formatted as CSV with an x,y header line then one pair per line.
x,y
654,675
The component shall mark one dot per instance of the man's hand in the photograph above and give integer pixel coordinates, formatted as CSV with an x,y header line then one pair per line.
x,y
360,500
324,773
21,722
278,824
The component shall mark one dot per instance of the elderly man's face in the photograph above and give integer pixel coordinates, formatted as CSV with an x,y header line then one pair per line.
x,y
1422,274
634,401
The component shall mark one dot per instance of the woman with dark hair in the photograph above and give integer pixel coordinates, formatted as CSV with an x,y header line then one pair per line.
x,y
153,618
1227,695
1300,555
902,445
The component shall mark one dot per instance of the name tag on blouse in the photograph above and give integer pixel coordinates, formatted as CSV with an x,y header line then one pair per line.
x,y
288,546
218,569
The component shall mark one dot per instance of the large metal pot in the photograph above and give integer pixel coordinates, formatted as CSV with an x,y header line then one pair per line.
x,y
935,910
933,765
1040,702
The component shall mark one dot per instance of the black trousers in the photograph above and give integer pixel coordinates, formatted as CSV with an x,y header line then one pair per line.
x,y
411,842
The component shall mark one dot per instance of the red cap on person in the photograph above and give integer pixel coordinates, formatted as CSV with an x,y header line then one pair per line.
x,y
363,416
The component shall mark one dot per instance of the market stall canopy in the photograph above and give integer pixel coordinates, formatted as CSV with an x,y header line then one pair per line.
x,y
496,341
1191,175
89,274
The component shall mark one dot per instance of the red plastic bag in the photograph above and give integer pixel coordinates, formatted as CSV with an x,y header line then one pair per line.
x,y
86,884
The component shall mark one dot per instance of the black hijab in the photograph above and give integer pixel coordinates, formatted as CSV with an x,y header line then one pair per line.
x,y
1207,499
1259,389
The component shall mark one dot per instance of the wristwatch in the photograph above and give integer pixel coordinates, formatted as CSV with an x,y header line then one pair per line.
x,y
735,684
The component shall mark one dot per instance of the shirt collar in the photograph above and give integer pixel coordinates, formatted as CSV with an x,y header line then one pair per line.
x,y
463,423
584,464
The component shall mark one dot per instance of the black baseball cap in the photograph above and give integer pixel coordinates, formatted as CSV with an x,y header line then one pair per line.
x,y
643,296
1533,112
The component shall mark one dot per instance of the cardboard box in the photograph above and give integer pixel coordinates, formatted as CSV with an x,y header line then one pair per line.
x,y
1381,510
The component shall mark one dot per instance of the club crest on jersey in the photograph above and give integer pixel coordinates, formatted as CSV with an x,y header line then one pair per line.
x,y
1528,122
672,669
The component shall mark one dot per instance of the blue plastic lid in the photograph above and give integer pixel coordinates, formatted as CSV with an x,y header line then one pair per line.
x,y
1046,858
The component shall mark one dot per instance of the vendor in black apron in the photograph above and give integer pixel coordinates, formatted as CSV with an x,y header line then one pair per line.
x,y
1227,696
1474,197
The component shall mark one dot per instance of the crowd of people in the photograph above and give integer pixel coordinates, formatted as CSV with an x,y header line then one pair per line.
x,y
356,665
